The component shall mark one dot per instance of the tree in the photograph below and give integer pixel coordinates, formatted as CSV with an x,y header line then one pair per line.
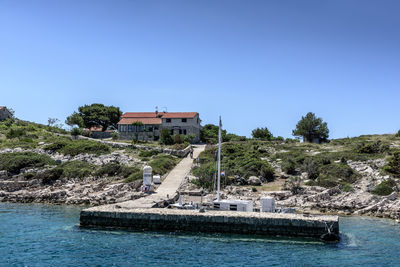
x,y
165,137
95,115
262,133
209,134
312,128
75,120
52,121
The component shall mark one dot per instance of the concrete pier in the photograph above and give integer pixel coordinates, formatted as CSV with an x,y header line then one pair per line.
x,y
155,219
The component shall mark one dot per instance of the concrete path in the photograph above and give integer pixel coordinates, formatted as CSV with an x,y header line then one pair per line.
x,y
168,188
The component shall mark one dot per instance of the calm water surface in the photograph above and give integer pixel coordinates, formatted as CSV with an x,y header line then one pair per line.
x,y
46,235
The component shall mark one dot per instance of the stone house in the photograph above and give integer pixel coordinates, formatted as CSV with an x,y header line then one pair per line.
x,y
148,125
4,113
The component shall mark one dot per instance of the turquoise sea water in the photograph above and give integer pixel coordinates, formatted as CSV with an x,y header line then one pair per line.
x,y
46,235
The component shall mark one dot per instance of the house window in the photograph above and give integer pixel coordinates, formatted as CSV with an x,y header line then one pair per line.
x,y
139,128
184,120
232,207
123,128
172,132
216,206
182,131
168,120
155,127
130,128
150,128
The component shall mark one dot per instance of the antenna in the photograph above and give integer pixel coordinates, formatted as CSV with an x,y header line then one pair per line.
x,y
219,159
165,109
156,109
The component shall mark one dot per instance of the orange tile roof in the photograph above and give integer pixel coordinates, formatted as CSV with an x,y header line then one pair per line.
x,y
179,114
146,121
139,115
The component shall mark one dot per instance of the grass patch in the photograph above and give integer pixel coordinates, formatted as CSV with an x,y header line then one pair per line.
x,y
76,147
14,162
137,175
69,170
238,158
162,163
148,153
385,188
115,169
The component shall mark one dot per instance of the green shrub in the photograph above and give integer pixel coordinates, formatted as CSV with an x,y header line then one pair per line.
x,y
134,176
115,169
57,145
397,134
385,188
311,167
162,163
16,132
14,162
393,166
334,174
165,137
50,176
205,174
373,148
75,147
76,169
114,136
289,166
189,138
254,189
76,131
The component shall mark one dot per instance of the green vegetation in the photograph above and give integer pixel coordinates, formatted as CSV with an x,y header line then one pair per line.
x,y
336,173
311,127
385,188
68,170
115,169
162,163
262,134
75,147
137,175
397,134
95,115
23,134
243,159
148,153
165,137
393,166
374,147
14,162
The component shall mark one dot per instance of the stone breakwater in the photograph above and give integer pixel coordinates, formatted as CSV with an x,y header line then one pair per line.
x,y
298,225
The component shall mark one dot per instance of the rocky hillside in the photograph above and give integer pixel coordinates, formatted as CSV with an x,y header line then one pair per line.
x,y
45,164
347,176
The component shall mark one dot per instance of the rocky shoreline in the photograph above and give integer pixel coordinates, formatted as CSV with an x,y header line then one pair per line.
x,y
95,191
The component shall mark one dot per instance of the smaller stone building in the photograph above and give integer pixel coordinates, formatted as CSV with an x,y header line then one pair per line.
x,y
148,125
4,113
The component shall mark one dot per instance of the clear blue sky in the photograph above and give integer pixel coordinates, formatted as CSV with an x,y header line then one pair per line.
x,y
256,63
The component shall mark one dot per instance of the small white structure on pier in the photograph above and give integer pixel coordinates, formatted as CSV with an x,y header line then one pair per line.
x,y
156,179
147,187
233,205
267,204
147,177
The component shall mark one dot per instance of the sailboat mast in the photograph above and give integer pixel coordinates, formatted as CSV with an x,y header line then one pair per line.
x,y
219,159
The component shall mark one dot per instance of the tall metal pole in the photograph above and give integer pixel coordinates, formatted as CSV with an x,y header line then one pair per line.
x,y
219,158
